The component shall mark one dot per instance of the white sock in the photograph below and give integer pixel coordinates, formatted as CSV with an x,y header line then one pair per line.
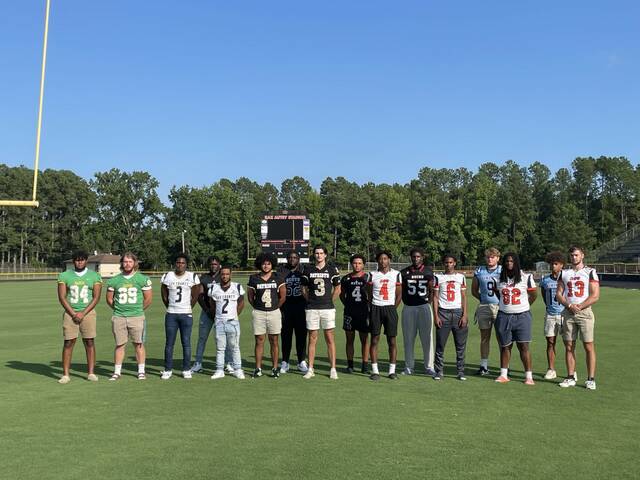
x,y
392,368
374,369
117,370
141,368
484,363
528,375
504,372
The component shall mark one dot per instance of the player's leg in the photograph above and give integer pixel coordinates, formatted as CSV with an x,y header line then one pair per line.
x,y
67,353
90,350
484,317
141,356
375,325
70,332
364,340
273,345
569,337
409,333
391,332
329,337
504,335
186,325
259,350
171,331
274,329
232,329
425,330
205,325
87,329
300,328
460,335
442,335
393,355
287,337
221,348
121,337
587,321
312,321
351,337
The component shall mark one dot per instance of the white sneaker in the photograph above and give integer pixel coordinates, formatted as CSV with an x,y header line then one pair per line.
x,y
229,368
218,374
64,379
309,374
303,367
590,384
334,374
575,376
187,374
407,371
567,382
166,375
197,367
550,375
92,377
284,367
239,374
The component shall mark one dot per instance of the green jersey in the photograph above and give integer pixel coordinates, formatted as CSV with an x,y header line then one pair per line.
x,y
79,287
127,294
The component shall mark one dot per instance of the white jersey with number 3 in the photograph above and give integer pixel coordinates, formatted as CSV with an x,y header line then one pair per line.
x,y
576,283
448,287
383,287
179,288
513,296
226,300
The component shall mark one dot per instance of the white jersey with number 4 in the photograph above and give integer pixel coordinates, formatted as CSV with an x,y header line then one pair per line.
x,y
383,287
448,287
179,288
576,283
513,296
226,300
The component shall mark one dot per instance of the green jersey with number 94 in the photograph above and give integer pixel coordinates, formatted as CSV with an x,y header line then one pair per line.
x,y
127,294
79,287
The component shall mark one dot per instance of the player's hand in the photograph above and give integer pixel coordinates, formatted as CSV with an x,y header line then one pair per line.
x,y
79,317
438,322
463,322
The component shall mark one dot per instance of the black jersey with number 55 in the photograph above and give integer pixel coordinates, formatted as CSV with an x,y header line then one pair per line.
x,y
266,291
320,282
415,285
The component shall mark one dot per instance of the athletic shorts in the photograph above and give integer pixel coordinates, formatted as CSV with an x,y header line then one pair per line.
x,y
384,315
324,319
582,322
513,327
552,324
485,315
353,321
266,322
87,327
125,328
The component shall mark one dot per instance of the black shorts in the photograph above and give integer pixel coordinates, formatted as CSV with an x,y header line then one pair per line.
x,y
356,321
385,315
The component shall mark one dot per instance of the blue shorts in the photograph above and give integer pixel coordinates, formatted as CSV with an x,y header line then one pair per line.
x,y
513,327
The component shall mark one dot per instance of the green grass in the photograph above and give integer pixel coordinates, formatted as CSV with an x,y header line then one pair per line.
x,y
290,428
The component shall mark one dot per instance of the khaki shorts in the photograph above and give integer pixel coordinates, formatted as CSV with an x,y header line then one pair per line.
x,y
266,322
486,314
317,319
581,322
552,324
87,327
125,328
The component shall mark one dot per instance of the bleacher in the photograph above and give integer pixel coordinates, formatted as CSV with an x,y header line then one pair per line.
x,y
623,249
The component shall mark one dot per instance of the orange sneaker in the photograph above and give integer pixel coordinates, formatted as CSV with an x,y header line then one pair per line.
x,y
502,379
529,381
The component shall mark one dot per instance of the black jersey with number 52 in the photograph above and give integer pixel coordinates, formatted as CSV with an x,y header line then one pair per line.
x,y
266,291
415,285
353,288
320,282
293,279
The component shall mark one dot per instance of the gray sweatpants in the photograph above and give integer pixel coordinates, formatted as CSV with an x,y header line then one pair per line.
x,y
450,319
417,320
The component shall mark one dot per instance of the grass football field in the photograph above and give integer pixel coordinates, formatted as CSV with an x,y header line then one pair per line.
x,y
292,428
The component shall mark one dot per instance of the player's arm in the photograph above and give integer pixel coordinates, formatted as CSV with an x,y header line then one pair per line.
x,y
282,294
62,298
202,301
398,293
251,295
463,300
305,292
594,295
532,291
544,297
147,296
109,297
493,286
336,292
240,304
195,294
164,293
97,291
475,287
343,294
436,319
560,294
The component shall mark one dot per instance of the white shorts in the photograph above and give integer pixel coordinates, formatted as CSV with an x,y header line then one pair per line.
x,y
325,319
552,324
266,322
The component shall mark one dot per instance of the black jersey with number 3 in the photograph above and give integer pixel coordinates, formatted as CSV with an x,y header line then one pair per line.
x,y
266,291
353,288
320,282
415,285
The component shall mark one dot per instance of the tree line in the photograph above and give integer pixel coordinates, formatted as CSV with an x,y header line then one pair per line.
x,y
531,210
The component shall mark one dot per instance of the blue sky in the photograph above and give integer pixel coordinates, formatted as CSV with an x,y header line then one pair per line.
x,y
194,91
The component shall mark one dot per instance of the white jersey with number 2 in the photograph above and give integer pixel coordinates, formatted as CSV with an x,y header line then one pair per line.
x,y
226,300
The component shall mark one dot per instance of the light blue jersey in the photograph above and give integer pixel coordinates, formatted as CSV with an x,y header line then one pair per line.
x,y
486,280
549,286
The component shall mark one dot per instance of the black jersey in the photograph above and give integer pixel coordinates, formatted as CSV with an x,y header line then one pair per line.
x,y
415,285
266,291
355,294
320,282
293,280
207,280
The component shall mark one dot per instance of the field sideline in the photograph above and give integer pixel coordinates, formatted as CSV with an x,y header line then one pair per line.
x,y
291,428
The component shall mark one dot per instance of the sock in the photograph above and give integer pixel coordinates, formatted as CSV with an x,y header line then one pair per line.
x,y
591,379
484,363
350,363
117,370
528,375
504,372
141,368
374,369
392,368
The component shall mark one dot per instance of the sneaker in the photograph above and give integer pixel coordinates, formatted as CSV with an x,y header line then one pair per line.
x,y
437,376
257,373
284,367
309,374
502,379
529,381
461,377
303,367
407,371
217,375
349,370
187,374
374,376
239,374
550,375
275,373
92,377
228,368
481,372
197,367
114,377
364,370
64,379
333,375
393,376
567,382
142,376
430,372
575,376
590,384
166,375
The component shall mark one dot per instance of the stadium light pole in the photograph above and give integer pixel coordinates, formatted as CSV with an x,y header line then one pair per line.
x,y
183,232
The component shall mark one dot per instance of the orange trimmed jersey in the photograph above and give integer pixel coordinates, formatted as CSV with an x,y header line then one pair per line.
x,y
576,283
448,287
513,296
383,287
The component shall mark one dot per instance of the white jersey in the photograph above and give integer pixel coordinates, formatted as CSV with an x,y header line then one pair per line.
x,y
226,300
576,283
383,287
513,296
179,288
449,287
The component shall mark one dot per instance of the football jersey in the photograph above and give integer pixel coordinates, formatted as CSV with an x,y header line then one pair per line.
x,y
487,279
79,287
320,282
513,296
179,288
355,293
206,279
383,287
266,291
415,285
576,283
549,285
226,300
127,298
448,287
293,280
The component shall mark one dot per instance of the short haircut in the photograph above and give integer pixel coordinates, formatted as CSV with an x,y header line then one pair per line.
x,y
320,247
492,252
80,255
181,255
355,256
226,266
265,257
556,256
132,256
449,255
212,258
416,250
516,267
573,248
293,252
383,252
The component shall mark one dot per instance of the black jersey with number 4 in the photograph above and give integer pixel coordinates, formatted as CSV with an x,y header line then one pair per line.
x,y
266,291
355,294
415,285
293,280
320,282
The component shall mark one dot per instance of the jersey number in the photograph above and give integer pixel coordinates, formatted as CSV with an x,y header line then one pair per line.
x,y
179,295
417,286
76,293
225,304
127,295
451,291
266,298
511,296
320,290
384,289
293,290
579,289
357,294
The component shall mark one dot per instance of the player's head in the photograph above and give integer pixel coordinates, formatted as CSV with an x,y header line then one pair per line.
x,y
320,253
556,261
293,259
576,255
510,267
383,257
265,262
128,262
417,256
357,263
213,264
225,274
181,261
449,261
80,259
492,257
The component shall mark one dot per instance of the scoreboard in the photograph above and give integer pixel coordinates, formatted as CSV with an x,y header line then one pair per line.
x,y
283,232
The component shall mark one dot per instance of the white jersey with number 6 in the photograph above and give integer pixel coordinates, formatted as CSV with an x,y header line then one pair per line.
x,y
179,288
226,300
513,296
576,283
383,287
448,287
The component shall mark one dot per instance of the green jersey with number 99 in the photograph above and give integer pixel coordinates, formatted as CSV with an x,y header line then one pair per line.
x,y
127,294
79,287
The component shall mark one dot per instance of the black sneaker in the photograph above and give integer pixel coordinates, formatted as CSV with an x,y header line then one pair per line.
x,y
393,376
364,370
374,376
437,376
482,372
461,377
275,373
257,373
350,370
